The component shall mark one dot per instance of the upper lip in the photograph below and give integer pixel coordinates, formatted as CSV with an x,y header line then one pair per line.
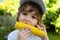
x,y
26,21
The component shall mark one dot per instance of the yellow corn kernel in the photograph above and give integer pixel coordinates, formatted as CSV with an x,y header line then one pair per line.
x,y
35,31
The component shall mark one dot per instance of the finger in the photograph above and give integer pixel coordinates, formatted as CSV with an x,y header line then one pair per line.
x,y
29,31
22,31
28,34
39,27
25,31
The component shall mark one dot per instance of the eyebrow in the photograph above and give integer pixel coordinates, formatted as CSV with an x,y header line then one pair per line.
x,y
34,13
30,11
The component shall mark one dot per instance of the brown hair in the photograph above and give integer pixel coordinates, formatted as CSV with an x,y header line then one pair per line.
x,y
34,7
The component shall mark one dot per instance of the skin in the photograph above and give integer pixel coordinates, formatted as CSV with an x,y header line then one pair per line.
x,y
29,18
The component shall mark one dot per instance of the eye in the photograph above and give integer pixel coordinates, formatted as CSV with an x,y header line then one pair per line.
x,y
33,17
24,13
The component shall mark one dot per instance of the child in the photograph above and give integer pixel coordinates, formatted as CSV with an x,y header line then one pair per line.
x,y
30,12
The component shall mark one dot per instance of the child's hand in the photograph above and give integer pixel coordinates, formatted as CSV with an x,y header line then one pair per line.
x,y
24,33
43,29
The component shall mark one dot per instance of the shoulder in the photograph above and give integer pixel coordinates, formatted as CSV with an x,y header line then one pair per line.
x,y
13,35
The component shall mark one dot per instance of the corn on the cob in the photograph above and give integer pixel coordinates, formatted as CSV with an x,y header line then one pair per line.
x,y
35,31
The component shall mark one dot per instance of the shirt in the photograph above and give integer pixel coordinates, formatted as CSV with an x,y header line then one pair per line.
x,y
14,36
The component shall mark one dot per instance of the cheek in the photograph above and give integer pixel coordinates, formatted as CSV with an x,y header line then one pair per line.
x,y
21,17
34,22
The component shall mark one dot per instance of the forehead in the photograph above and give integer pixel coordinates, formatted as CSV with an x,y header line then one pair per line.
x,y
29,9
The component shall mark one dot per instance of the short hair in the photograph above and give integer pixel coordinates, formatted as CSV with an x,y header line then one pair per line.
x,y
34,5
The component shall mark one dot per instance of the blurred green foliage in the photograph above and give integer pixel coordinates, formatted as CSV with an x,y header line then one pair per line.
x,y
10,6
6,26
50,3
8,9
51,17
1,12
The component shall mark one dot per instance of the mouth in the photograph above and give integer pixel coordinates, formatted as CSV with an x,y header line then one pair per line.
x,y
29,23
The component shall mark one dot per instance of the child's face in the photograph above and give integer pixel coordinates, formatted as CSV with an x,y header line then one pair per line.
x,y
28,17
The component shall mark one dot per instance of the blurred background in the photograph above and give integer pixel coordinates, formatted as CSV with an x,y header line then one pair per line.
x,y
8,13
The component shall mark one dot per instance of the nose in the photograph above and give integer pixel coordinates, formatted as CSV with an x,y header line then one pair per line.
x,y
27,21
